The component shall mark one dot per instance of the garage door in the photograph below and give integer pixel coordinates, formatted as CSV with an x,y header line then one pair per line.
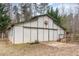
x,y
33,35
45,34
51,35
26,35
30,35
40,35
56,36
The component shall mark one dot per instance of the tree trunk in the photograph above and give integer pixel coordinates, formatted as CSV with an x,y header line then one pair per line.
x,y
2,36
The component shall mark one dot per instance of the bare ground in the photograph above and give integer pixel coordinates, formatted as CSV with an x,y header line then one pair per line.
x,y
42,49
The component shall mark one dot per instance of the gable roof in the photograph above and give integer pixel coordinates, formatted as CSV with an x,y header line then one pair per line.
x,y
35,18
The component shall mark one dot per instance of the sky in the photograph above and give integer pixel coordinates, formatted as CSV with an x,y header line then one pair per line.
x,y
66,6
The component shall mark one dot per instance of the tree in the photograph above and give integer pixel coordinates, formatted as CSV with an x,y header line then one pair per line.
x,y
26,10
33,9
17,17
55,15
41,8
4,19
8,8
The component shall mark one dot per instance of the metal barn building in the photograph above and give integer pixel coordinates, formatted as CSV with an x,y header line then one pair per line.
x,y
41,28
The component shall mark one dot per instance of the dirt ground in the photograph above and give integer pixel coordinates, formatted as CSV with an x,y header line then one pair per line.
x,y
42,49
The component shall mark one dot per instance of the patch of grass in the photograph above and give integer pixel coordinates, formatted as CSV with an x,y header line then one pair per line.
x,y
36,42
20,45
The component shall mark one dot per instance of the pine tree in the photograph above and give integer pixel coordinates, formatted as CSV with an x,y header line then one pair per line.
x,y
55,15
4,19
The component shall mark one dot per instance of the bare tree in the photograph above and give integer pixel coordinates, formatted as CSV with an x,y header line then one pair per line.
x,y
26,10
33,9
41,8
16,13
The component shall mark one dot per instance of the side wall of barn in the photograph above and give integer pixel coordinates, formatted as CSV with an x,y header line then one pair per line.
x,y
11,36
18,34
50,32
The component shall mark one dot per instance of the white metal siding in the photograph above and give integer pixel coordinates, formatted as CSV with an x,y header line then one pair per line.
x,y
45,35
34,24
27,24
40,35
51,35
33,35
56,35
10,35
26,35
41,22
18,34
